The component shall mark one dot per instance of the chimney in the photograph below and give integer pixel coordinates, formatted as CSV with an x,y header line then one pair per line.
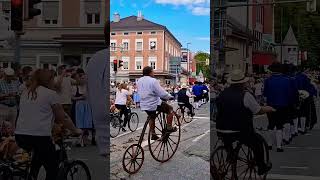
x,y
116,17
140,16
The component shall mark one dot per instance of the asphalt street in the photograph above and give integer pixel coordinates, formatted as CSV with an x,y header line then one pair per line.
x,y
191,161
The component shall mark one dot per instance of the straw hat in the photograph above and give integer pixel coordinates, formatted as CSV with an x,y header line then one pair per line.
x,y
237,77
184,86
9,71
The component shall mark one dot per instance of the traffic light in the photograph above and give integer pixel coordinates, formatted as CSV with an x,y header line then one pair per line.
x,y
312,6
115,65
16,15
120,63
30,11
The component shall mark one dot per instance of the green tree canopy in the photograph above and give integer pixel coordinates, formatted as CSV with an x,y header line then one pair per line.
x,y
201,59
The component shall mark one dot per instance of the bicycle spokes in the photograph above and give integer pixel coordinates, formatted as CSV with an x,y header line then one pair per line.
x,y
133,159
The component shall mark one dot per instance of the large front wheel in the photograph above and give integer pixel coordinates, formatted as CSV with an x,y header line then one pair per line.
x,y
115,126
165,147
134,121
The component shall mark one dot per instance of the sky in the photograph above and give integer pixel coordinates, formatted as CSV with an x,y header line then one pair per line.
x,y
188,20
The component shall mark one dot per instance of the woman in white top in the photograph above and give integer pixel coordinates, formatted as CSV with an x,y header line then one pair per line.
x,y
40,108
122,96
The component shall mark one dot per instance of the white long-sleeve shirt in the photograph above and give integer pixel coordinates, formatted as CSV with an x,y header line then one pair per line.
x,y
98,70
150,92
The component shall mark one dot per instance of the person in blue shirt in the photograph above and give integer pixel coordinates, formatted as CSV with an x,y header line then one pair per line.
x,y
277,93
198,92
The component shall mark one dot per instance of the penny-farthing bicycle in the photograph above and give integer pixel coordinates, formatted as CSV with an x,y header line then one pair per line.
x,y
161,150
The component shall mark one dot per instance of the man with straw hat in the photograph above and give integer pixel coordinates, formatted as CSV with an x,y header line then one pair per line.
x,y
236,107
183,98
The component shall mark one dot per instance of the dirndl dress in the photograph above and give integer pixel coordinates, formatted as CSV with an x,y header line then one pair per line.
x,y
84,119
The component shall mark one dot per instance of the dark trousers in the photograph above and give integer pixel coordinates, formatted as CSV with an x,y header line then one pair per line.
x,y
252,140
123,111
44,154
188,105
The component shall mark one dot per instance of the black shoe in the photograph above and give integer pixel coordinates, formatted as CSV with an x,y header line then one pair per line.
x,y
279,150
264,169
302,132
285,142
124,130
154,137
172,129
270,148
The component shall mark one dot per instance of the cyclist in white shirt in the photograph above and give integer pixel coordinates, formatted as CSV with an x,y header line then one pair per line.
x,y
122,96
150,92
40,108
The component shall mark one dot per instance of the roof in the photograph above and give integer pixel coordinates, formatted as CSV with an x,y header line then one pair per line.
x,y
131,24
290,38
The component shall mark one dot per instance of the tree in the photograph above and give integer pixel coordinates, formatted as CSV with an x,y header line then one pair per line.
x,y
201,59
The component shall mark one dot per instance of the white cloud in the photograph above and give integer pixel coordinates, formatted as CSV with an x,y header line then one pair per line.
x,y
201,11
203,38
197,7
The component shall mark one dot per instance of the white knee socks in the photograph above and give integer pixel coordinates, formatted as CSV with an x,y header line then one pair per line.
x,y
279,138
303,124
286,131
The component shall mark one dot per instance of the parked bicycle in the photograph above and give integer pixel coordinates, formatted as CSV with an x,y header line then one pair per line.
x,y
116,123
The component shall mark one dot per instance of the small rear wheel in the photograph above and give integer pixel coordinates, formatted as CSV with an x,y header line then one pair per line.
x,y
188,117
180,113
133,159
221,164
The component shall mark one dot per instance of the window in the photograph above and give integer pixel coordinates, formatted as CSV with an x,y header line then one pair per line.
x,y
139,33
126,33
111,63
113,34
139,63
153,62
92,12
153,44
125,45
93,18
139,45
113,45
125,63
153,32
50,12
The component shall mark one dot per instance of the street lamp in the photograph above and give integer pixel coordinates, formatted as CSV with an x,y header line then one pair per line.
x,y
188,60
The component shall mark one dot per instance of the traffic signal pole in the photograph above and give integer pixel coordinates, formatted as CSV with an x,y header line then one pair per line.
x,y
18,48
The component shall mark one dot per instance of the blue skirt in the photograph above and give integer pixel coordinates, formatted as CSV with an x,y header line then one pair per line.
x,y
83,115
136,98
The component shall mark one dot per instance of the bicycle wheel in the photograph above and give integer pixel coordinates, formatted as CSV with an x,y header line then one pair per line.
x,y
75,170
134,121
180,113
167,143
131,157
221,164
246,167
188,116
114,126
6,173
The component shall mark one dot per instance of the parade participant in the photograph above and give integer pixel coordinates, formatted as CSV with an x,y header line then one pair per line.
x,y
197,90
277,93
150,92
183,97
122,96
236,107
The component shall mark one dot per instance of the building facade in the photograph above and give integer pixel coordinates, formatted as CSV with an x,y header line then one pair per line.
x,y
139,43
66,32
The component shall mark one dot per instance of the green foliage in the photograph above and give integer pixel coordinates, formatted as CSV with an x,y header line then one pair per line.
x,y
201,58
305,25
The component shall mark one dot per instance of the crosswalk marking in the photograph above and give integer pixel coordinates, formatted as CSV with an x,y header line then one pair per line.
x,y
201,136
292,167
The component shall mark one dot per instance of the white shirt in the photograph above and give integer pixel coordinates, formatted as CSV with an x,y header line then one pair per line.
x,y
150,92
66,90
121,97
36,116
258,89
250,102
98,70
